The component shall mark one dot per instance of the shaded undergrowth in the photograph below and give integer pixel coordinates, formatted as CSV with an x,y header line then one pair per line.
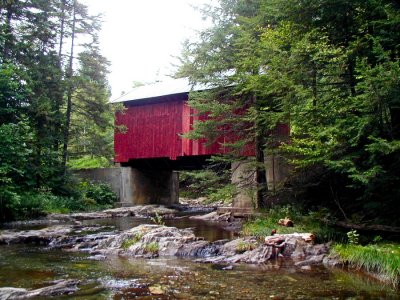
x,y
380,258
303,222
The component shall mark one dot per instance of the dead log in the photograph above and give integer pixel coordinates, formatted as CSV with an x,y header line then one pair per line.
x,y
286,222
365,227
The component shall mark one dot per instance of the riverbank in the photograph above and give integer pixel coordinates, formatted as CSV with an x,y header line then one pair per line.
x,y
91,244
151,240
256,245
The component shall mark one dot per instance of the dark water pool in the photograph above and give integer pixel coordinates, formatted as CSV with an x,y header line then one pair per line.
x,y
32,267
210,231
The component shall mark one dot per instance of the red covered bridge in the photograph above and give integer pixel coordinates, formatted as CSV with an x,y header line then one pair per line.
x,y
149,142
154,120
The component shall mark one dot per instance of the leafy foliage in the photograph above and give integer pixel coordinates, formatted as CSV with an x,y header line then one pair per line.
x,y
100,194
35,85
328,68
88,162
212,183
37,203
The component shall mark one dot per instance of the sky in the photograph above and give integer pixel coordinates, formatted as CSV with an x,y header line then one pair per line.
x,y
141,37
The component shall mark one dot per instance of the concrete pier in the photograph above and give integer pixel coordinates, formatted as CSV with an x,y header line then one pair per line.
x,y
138,186
244,177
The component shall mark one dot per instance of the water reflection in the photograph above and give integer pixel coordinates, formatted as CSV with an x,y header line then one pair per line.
x,y
209,231
129,278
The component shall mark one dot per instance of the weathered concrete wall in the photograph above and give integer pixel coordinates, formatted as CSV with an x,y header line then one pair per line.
x,y
244,177
136,187
112,176
154,187
277,171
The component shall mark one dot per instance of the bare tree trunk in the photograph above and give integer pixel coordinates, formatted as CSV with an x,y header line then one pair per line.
x,y
69,92
60,65
61,31
261,179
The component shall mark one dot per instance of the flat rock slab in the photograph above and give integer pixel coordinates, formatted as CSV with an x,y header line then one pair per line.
x,y
60,287
40,236
136,211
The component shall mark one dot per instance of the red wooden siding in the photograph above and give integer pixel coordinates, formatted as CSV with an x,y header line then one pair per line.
x,y
153,130
197,147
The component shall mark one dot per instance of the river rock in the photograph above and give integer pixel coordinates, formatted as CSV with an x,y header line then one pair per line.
x,y
171,241
150,240
60,287
137,211
40,236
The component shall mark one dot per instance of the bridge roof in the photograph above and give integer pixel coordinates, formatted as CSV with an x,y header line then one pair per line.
x,y
159,89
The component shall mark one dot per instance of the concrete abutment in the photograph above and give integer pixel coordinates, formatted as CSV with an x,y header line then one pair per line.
x,y
139,186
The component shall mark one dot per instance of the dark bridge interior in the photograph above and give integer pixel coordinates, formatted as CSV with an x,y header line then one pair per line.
x,y
164,163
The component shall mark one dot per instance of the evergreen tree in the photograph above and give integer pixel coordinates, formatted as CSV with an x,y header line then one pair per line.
x,y
36,80
329,69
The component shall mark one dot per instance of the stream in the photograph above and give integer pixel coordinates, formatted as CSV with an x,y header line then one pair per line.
x,y
35,266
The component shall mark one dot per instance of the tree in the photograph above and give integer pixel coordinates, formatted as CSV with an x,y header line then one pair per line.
x,y
329,69
36,80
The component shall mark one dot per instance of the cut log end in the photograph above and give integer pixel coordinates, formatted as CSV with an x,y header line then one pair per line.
x,y
286,222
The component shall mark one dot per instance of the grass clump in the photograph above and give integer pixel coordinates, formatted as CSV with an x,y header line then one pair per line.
x,y
244,246
129,242
157,219
382,259
152,248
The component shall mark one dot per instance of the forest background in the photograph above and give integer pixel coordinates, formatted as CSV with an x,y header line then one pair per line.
x,y
54,109
329,69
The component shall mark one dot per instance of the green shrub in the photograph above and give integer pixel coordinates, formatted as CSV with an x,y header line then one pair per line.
x,y
37,203
210,183
88,162
157,219
353,237
224,194
9,202
100,194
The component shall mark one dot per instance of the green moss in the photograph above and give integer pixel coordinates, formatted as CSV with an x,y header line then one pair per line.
x,y
383,259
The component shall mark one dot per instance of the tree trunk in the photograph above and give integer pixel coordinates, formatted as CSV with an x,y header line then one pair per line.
x,y
69,92
261,178
395,121
60,97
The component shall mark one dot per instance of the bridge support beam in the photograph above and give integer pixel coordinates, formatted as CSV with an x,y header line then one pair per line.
x,y
244,178
139,187
277,171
